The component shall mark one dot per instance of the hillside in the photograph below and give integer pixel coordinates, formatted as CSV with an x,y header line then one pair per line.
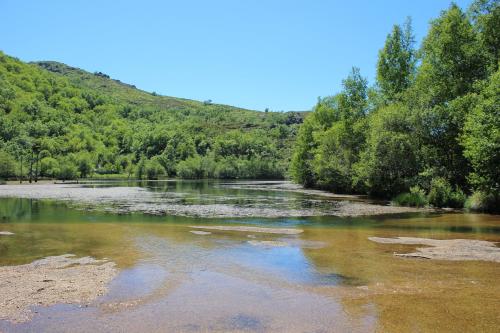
x,y
60,121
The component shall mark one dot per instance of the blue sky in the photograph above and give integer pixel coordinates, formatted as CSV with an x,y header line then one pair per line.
x,y
254,54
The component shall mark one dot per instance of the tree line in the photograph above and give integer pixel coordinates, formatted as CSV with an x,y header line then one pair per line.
x,y
428,131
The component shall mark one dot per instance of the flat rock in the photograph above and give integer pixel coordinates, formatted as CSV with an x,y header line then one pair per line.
x,y
6,233
283,231
446,249
268,243
199,232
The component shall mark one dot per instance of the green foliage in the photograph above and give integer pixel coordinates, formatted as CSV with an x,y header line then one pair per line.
x,y
415,198
431,125
452,58
396,62
67,169
390,162
481,139
49,167
483,202
7,165
485,14
442,194
140,169
331,138
154,169
55,119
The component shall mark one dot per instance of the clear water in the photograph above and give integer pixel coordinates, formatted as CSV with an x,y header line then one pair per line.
x,y
328,278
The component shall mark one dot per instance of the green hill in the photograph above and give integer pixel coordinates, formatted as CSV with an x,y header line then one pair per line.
x,y
63,122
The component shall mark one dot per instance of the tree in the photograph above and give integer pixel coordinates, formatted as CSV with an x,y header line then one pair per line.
x,y
452,59
301,165
7,165
390,163
353,98
154,169
84,164
49,167
140,170
481,139
485,14
67,169
396,62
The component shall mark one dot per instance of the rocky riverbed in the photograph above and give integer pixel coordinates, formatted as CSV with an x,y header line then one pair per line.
x,y
127,199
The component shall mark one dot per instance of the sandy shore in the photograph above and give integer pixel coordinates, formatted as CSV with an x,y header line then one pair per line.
x,y
446,249
136,199
49,281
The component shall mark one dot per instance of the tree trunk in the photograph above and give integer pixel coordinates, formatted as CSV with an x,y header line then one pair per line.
x,y
30,178
36,166
21,175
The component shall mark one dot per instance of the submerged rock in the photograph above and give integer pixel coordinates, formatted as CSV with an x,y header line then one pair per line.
x,y
446,249
268,243
283,231
196,232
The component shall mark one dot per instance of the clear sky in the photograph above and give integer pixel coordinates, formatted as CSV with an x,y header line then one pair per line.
x,y
254,54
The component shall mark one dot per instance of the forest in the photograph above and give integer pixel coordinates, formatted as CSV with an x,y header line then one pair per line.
x,y
428,131
61,122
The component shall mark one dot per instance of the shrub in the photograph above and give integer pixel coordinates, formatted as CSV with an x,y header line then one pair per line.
x,y
483,202
192,168
416,198
7,165
154,169
67,170
441,194
457,199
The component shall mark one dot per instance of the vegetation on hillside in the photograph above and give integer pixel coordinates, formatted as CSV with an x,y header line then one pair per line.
x,y
428,131
61,122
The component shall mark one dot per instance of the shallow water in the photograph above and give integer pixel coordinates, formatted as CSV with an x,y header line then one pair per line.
x,y
328,278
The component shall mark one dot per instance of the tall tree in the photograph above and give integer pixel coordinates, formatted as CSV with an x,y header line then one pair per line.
x,y
452,58
485,15
352,102
396,62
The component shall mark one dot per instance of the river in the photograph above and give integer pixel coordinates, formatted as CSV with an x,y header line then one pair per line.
x,y
182,270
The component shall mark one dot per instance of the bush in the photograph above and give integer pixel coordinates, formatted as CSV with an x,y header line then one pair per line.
x,y
154,169
192,168
441,194
67,170
483,202
416,198
7,165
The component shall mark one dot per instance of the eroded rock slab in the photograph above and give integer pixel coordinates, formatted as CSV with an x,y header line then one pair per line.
x,y
268,243
282,231
446,249
49,281
201,233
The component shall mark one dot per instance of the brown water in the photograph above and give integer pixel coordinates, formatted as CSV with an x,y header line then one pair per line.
x,y
329,278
